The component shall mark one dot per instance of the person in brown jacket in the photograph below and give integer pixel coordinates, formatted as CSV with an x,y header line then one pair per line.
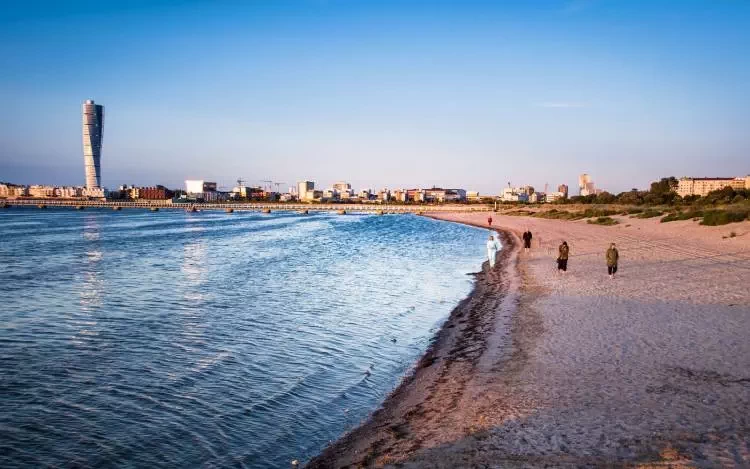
x,y
562,257
612,257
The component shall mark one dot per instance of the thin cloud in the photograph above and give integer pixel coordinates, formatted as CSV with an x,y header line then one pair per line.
x,y
563,104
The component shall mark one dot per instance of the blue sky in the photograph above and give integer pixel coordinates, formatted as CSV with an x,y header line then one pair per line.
x,y
380,93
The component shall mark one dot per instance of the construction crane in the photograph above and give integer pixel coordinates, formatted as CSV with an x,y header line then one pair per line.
x,y
278,185
267,184
240,183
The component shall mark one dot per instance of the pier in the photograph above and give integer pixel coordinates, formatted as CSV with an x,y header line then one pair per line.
x,y
264,207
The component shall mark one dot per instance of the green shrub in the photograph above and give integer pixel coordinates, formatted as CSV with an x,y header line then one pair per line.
x,y
722,217
676,216
606,221
650,213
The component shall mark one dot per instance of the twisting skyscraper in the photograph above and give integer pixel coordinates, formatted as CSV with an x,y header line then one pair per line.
x,y
93,125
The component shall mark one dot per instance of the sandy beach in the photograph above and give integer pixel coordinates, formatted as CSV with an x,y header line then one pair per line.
x,y
539,369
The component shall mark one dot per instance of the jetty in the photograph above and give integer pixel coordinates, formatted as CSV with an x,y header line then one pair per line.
x,y
264,207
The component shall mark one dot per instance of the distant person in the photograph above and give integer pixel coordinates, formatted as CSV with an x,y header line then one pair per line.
x,y
527,240
493,246
562,257
612,257
489,221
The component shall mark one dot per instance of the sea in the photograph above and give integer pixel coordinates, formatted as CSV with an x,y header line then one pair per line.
x,y
171,339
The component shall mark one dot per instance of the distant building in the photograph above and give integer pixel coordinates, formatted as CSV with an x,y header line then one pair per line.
x,y
13,190
511,194
473,196
553,196
440,195
41,191
199,186
400,195
415,195
68,192
702,186
585,185
342,186
563,188
93,126
537,198
303,188
331,194
312,195
153,193
528,190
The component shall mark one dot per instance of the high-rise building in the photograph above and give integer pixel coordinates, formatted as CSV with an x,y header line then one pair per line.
x,y
93,125
563,188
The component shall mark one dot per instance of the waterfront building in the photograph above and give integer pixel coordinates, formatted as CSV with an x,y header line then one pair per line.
x,y
400,195
303,187
702,186
331,194
473,196
199,186
342,186
153,193
415,195
13,190
41,191
68,192
93,126
312,195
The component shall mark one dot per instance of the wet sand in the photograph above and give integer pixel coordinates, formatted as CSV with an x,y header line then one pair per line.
x,y
540,369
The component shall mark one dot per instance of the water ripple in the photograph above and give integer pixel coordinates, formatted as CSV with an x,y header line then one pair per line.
x,y
171,339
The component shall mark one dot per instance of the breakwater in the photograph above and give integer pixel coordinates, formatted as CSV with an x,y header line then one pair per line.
x,y
250,206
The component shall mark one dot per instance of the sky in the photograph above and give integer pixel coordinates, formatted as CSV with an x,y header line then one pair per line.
x,y
470,94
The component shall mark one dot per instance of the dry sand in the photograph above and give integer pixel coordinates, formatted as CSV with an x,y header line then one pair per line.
x,y
539,369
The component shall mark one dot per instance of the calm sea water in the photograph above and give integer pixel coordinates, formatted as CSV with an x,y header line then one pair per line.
x,y
139,339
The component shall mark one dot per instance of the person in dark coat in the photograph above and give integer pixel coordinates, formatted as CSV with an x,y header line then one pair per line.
x,y
562,257
612,257
527,240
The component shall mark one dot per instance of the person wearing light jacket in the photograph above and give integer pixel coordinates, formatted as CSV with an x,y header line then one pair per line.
x,y
493,246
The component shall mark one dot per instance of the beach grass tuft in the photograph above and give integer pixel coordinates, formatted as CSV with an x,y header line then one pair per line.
x,y
606,221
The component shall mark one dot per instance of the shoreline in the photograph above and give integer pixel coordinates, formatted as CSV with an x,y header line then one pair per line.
x,y
465,346
651,369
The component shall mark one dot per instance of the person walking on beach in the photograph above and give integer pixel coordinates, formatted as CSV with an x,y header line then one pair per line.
x,y
489,221
612,257
527,240
562,257
493,246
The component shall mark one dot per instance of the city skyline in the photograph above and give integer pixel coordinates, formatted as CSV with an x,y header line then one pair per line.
x,y
381,95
